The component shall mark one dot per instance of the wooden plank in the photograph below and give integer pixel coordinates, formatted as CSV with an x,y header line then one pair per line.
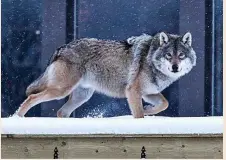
x,y
113,147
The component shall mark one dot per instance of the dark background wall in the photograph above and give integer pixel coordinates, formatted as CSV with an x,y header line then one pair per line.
x,y
32,30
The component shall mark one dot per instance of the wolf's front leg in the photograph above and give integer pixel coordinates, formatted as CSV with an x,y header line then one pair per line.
x,y
134,99
158,100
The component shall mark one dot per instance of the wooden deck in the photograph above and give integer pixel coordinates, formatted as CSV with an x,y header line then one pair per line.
x,y
113,146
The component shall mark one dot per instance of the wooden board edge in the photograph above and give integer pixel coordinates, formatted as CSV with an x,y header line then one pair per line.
x,y
105,135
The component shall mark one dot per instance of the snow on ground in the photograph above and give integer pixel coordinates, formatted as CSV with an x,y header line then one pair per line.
x,y
116,125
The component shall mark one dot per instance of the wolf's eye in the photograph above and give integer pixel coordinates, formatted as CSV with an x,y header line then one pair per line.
x,y
168,56
181,55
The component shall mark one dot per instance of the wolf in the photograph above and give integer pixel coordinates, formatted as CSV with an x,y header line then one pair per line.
x,y
136,69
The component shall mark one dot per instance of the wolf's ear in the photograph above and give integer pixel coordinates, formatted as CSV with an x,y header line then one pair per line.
x,y
187,38
163,38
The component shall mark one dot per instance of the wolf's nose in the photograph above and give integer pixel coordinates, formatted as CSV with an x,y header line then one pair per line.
x,y
175,68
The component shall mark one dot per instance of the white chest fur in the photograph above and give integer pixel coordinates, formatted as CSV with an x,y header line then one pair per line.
x,y
149,87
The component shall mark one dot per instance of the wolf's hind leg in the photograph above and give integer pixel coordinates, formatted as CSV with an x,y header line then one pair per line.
x,y
44,96
158,100
59,81
78,97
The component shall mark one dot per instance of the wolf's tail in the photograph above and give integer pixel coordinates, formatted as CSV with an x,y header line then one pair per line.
x,y
37,86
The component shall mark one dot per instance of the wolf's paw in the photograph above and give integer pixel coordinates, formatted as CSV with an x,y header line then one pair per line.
x,y
15,115
149,110
62,114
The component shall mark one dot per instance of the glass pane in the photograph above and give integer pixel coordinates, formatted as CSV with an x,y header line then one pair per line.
x,y
23,59
21,50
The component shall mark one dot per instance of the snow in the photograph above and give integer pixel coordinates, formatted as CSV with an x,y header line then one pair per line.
x,y
115,125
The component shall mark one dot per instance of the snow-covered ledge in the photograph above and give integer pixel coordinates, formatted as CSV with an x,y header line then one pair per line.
x,y
117,125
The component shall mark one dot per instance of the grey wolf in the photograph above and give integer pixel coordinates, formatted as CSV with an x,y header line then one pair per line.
x,y
139,68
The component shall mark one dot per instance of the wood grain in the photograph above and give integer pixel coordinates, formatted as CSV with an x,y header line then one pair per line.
x,y
162,146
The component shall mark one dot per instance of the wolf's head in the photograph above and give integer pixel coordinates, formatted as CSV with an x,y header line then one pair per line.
x,y
173,55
